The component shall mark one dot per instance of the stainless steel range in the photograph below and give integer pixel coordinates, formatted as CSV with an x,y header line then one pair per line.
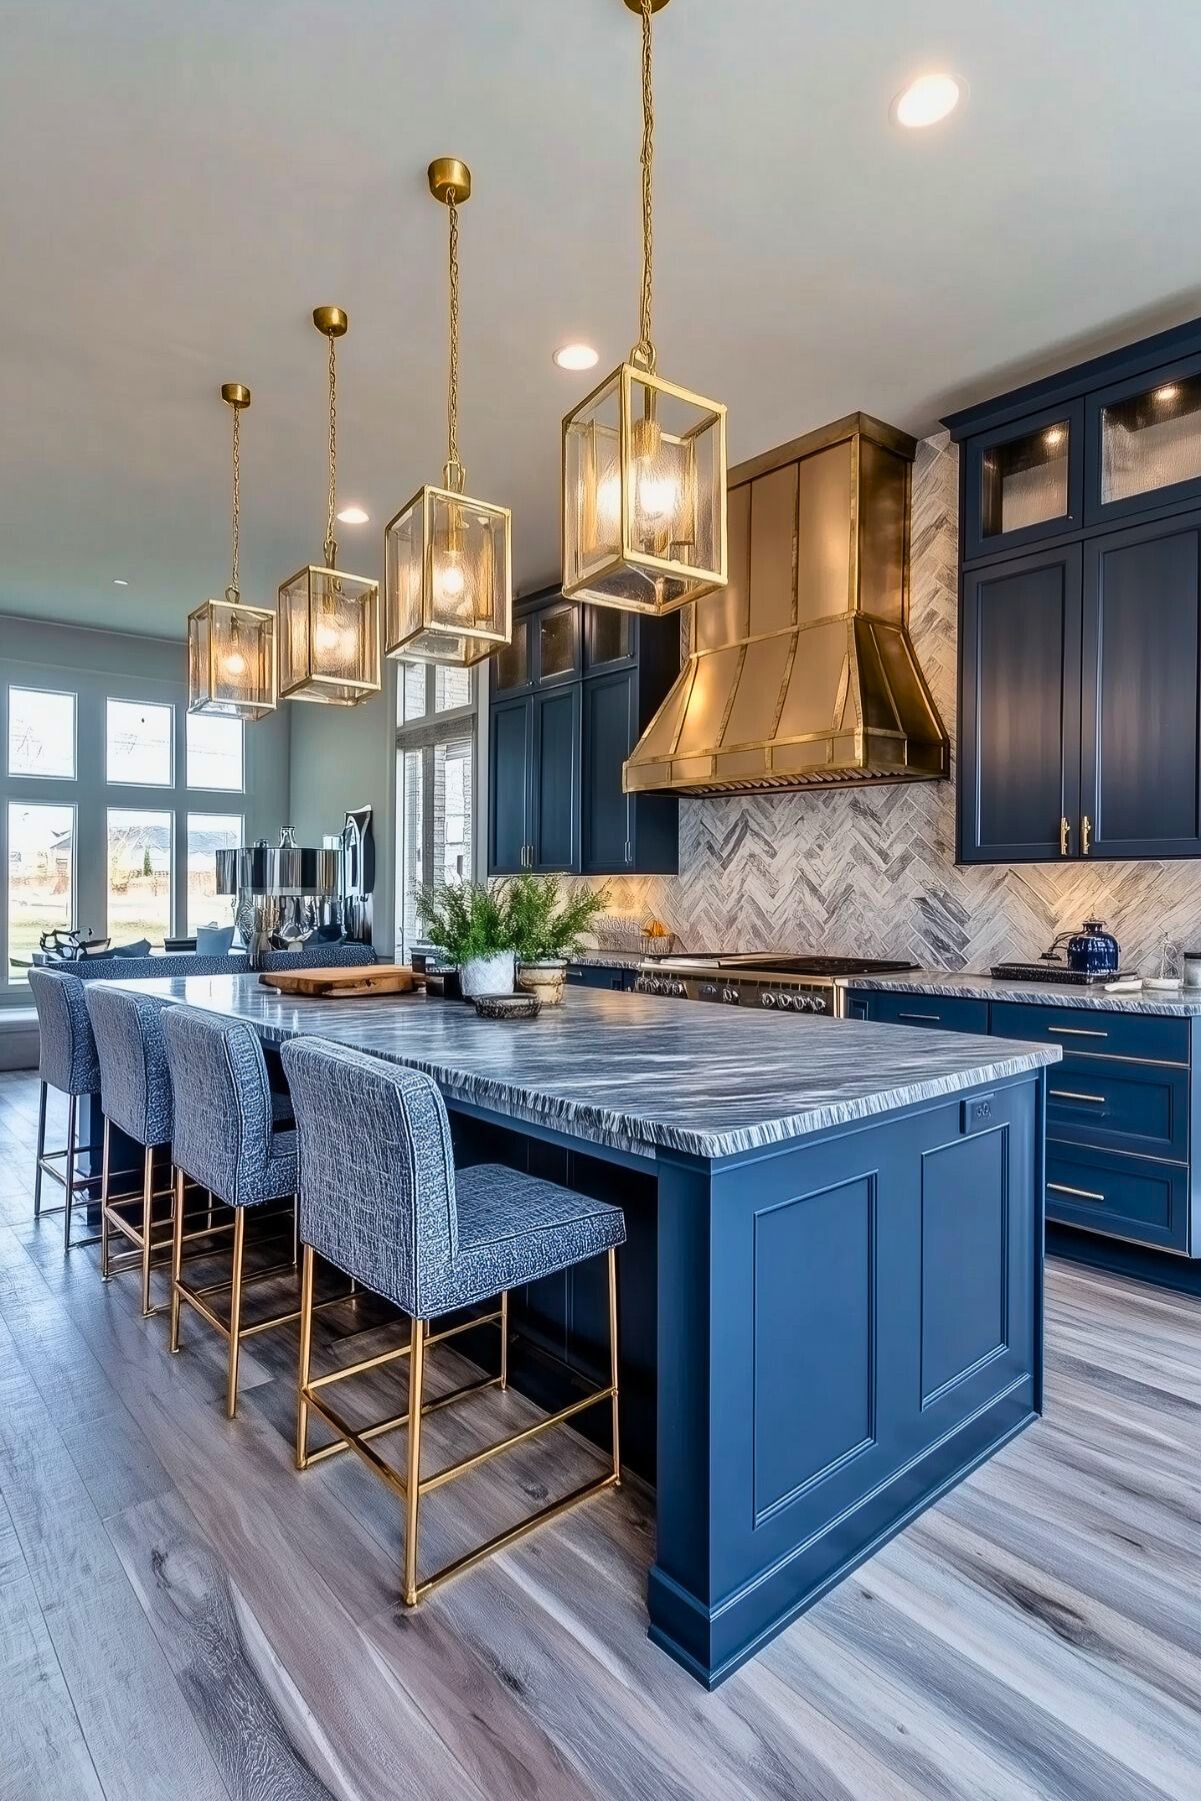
x,y
799,984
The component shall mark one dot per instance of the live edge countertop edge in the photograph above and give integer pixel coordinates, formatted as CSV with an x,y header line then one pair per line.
x,y
969,985
635,1072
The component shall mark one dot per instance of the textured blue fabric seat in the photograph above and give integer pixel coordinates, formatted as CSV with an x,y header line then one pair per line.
x,y
380,1199
67,1060
224,1139
136,1095
234,963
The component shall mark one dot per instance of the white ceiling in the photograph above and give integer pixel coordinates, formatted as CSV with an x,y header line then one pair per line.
x,y
185,181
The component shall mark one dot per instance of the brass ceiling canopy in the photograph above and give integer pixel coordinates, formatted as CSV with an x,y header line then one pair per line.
x,y
802,673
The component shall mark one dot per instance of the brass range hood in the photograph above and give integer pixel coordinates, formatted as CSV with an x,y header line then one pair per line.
x,y
801,672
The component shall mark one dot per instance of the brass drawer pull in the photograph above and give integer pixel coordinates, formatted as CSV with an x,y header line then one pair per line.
x,y
1070,1094
1064,830
1076,1032
934,1016
1081,1194
1086,835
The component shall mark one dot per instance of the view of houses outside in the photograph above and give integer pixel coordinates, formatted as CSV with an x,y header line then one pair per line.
x,y
40,876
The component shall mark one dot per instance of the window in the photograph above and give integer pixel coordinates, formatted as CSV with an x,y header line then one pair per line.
x,y
41,733
207,834
435,769
139,875
41,878
215,750
139,744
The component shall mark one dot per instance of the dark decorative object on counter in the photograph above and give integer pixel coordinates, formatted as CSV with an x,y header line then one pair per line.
x,y
1093,950
507,1006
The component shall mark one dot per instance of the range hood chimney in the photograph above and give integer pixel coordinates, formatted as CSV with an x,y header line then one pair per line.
x,y
801,673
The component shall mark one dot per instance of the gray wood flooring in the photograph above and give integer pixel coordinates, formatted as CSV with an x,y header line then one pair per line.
x,y
184,1618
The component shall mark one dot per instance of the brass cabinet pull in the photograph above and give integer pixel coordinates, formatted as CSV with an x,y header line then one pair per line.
x,y
1064,835
1081,1194
1086,835
1076,1032
934,1016
1069,1094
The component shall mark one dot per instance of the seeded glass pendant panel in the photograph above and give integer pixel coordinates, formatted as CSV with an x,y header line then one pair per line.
x,y
328,637
231,660
644,487
231,647
329,619
644,461
448,579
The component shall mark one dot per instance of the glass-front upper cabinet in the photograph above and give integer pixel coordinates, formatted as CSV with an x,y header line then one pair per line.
x,y
558,641
1024,481
511,663
608,636
1144,442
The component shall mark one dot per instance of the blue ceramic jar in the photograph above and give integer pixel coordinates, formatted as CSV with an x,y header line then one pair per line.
x,y
1093,950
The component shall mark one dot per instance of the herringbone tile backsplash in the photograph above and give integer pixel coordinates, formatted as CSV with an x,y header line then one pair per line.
x,y
873,871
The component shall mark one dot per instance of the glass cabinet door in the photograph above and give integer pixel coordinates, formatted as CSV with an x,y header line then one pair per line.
x,y
1024,481
558,641
511,664
608,636
1150,441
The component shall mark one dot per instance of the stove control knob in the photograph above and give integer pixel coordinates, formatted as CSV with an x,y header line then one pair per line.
x,y
730,996
679,990
767,1000
708,991
787,1002
818,1003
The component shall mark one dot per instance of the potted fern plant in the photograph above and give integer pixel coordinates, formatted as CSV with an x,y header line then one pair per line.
x,y
470,924
546,926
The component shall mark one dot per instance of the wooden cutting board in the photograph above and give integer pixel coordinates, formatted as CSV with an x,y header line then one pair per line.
x,y
344,984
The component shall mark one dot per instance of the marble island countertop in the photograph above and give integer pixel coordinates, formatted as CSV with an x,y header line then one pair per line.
x,y
970,985
635,1072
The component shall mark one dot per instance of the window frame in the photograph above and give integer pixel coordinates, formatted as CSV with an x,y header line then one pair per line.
x,y
43,775
190,814
172,784
457,725
192,787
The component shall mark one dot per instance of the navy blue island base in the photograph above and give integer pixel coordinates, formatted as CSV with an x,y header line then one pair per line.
x,y
831,1294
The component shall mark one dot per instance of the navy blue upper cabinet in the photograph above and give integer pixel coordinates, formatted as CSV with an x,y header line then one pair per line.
x,y
1019,756
570,698
1024,482
1079,659
1141,725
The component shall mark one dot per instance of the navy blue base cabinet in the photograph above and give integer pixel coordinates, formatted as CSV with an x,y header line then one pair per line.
x,y
571,696
817,1341
1080,616
1123,1122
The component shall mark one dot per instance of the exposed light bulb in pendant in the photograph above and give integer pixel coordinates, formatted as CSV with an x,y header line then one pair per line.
x,y
451,580
235,664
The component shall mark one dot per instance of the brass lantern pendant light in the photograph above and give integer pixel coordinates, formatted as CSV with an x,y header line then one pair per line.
x,y
231,647
644,461
329,620
448,582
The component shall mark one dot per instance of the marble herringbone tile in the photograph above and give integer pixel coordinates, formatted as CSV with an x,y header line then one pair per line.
x,y
873,870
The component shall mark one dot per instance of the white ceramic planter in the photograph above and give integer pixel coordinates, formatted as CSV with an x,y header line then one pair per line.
x,y
545,979
487,975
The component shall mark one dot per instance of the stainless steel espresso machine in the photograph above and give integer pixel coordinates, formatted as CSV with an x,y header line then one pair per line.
x,y
288,893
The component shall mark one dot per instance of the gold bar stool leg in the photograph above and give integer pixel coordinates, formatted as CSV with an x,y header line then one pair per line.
x,y
504,1339
70,1170
147,1202
613,1362
235,1315
104,1269
41,1151
176,1258
413,1480
306,1354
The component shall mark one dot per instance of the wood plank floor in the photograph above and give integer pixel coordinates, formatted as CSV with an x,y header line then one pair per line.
x,y
184,1618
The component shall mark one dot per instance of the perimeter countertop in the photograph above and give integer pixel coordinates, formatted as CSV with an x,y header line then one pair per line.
x,y
966,985
635,1072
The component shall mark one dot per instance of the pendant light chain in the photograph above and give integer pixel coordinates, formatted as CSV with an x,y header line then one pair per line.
x,y
331,549
455,474
644,350
233,592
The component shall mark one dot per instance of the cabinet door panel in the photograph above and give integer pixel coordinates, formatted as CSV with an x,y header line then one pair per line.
x,y
509,782
1023,481
608,738
1143,443
1141,736
1020,748
556,784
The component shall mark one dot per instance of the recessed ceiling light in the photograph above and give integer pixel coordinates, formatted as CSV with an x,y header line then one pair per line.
x,y
576,356
353,516
118,583
927,99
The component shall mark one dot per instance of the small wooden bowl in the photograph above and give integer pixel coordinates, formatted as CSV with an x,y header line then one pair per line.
x,y
507,1006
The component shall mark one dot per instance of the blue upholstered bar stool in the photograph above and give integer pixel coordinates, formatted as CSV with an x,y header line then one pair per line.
x,y
68,1062
135,1093
380,1199
222,1138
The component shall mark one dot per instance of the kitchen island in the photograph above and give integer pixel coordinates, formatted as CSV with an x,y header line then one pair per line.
x,y
831,1294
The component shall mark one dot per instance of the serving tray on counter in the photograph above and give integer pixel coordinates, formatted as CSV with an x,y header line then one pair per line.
x,y
1057,972
344,984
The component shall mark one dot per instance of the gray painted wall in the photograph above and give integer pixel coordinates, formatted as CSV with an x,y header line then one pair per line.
x,y
95,664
